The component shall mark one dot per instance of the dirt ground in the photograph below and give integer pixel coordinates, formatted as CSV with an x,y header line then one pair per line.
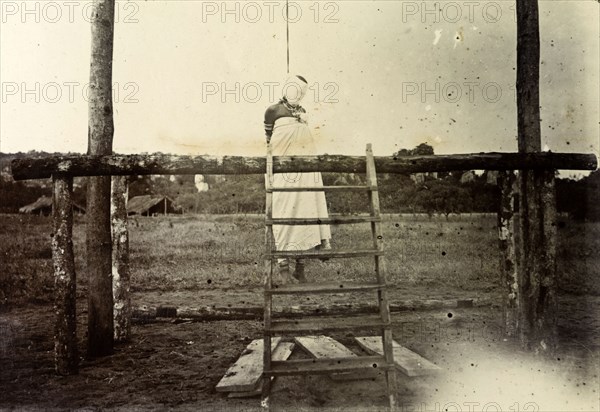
x,y
176,365
172,364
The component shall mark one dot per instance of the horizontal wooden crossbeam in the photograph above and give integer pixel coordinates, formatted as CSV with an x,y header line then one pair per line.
x,y
162,164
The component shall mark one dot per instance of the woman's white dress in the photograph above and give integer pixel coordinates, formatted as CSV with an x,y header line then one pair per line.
x,y
292,137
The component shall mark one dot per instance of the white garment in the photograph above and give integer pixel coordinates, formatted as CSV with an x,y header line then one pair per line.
x,y
292,137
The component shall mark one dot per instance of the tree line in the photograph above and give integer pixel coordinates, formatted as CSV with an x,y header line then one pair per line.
x,y
431,193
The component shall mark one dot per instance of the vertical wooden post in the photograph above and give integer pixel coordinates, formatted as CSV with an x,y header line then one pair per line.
x,y
537,200
100,136
120,259
65,333
508,259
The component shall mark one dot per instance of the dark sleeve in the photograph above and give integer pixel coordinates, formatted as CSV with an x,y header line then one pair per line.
x,y
269,121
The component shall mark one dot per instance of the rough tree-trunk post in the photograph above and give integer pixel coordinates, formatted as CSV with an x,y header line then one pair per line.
x,y
100,135
508,260
65,333
537,204
120,259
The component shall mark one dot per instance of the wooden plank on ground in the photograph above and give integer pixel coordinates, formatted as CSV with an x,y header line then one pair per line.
x,y
282,352
324,347
407,361
245,373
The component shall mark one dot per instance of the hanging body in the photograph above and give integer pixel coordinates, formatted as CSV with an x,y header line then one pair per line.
x,y
293,137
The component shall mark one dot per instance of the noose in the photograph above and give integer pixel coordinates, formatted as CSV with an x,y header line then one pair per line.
x,y
287,32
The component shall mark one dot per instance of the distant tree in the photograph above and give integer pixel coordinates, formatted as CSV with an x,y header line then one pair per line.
x,y
140,185
402,153
422,149
14,195
443,197
346,202
580,198
398,192
592,184
481,197
173,186
423,201
188,202
234,194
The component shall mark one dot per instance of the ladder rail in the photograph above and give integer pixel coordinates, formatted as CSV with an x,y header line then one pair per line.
x,y
325,254
380,270
268,298
337,188
332,220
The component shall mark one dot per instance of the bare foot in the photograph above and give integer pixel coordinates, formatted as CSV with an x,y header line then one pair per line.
x,y
285,277
299,272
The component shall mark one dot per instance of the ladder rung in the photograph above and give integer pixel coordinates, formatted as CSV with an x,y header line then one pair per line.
x,y
326,366
339,287
323,188
336,220
282,327
327,254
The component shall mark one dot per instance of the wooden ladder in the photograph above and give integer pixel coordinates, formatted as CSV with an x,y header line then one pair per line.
x,y
275,327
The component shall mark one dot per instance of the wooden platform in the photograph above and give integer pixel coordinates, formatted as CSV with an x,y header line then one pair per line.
x,y
324,347
281,353
243,378
407,361
245,374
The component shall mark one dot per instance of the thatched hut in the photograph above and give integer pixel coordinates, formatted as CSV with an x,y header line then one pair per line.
x,y
43,207
151,205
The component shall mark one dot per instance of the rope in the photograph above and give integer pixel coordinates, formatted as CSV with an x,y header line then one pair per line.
x,y
287,32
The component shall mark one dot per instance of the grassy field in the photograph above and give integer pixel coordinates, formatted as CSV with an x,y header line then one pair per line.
x,y
224,251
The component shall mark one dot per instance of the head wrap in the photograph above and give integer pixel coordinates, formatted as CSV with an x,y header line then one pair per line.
x,y
294,89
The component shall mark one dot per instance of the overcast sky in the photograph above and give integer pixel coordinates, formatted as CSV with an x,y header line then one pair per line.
x,y
195,77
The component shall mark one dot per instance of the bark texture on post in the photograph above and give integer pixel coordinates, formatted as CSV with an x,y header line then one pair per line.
x,y
537,262
120,259
65,333
537,200
100,135
508,259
